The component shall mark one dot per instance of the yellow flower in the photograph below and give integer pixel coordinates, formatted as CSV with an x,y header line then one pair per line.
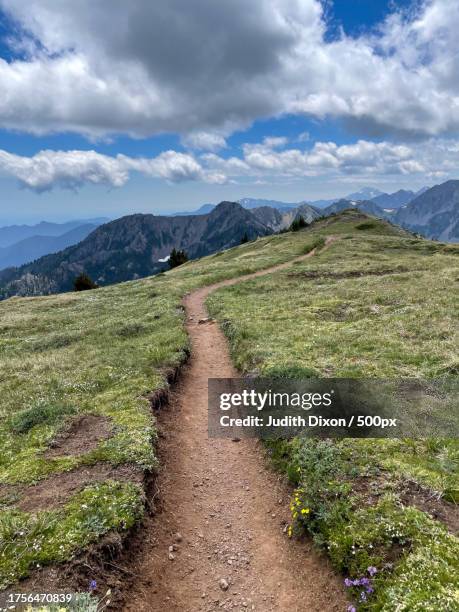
x,y
305,511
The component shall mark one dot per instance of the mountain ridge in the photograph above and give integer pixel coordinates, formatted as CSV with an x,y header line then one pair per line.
x,y
138,245
434,213
130,248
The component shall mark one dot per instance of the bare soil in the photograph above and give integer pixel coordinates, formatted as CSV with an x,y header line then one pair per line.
x,y
218,541
423,499
56,490
83,434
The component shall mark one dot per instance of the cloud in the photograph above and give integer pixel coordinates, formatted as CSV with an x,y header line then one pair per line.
x,y
304,137
73,169
204,141
206,68
435,158
269,160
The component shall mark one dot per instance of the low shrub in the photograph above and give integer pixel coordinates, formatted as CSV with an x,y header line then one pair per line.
x,y
41,413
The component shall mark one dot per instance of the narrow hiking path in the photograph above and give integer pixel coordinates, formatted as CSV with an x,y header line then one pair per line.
x,y
229,509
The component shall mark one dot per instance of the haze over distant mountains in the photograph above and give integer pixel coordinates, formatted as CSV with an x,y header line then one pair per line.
x,y
11,234
384,200
36,246
138,245
20,244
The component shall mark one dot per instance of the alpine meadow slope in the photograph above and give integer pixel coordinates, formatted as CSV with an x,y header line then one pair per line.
x,y
73,438
376,303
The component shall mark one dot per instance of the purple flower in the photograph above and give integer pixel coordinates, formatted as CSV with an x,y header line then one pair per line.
x,y
356,582
372,570
351,609
348,582
370,589
364,581
93,585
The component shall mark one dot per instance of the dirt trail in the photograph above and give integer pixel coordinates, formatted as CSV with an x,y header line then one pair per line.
x,y
227,506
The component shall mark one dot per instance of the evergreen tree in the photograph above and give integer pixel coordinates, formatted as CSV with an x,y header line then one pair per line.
x,y
298,224
177,258
83,282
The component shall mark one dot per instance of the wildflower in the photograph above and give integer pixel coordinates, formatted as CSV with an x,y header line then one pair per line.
x,y
93,585
351,609
372,570
348,582
370,589
363,596
364,581
305,511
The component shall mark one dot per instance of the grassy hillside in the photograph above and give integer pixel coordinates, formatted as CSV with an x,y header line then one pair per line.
x,y
76,371
377,303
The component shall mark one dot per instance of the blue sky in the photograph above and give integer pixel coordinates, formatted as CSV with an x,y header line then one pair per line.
x,y
180,103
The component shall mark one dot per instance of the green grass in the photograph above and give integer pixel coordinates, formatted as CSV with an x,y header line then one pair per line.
x,y
53,536
367,306
103,352
98,352
376,303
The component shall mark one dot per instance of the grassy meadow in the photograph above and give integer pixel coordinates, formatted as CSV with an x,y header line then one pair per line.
x,y
98,353
376,303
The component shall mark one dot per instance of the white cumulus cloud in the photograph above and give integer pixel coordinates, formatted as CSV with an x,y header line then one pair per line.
x,y
204,69
73,169
436,159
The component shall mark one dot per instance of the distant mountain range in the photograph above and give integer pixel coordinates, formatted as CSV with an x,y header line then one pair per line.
x,y
20,244
278,220
394,200
132,247
434,213
366,206
28,249
384,200
12,234
251,203
205,209
139,245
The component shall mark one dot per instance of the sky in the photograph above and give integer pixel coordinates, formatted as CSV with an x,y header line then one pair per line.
x,y
113,107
